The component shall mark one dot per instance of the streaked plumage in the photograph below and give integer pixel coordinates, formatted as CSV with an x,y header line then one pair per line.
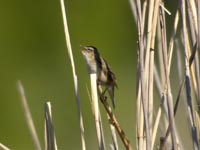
x,y
96,64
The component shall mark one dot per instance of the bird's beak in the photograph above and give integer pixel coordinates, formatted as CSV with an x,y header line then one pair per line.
x,y
83,47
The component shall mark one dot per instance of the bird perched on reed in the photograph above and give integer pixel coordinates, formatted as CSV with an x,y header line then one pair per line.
x,y
96,64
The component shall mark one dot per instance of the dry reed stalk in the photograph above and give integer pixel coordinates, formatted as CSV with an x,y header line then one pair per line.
x,y
3,147
150,65
160,82
180,92
168,84
192,15
198,34
113,121
95,106
187,80
172,39
139,110
133,9
69,51
160,58
149,61
170,57
197,76
50,138
114,136
146,65
93,112
163,100
28,117
197,119
193,22
142,76
179,62
113,133
140,120
157,121
182,85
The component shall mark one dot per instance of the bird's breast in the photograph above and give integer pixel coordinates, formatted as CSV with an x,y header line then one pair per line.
x,y
92,68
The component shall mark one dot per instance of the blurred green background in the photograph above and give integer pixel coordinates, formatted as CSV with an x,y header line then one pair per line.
x,y
33,50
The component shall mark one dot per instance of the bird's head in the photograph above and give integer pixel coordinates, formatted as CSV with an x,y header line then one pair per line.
x,y
89,52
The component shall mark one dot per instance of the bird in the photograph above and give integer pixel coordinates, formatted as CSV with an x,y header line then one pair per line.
x,y
97,64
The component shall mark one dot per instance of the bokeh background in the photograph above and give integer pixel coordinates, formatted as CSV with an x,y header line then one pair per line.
x,y
33,50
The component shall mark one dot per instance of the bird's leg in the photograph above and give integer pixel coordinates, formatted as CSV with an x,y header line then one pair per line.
x,y
101,92
104,91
